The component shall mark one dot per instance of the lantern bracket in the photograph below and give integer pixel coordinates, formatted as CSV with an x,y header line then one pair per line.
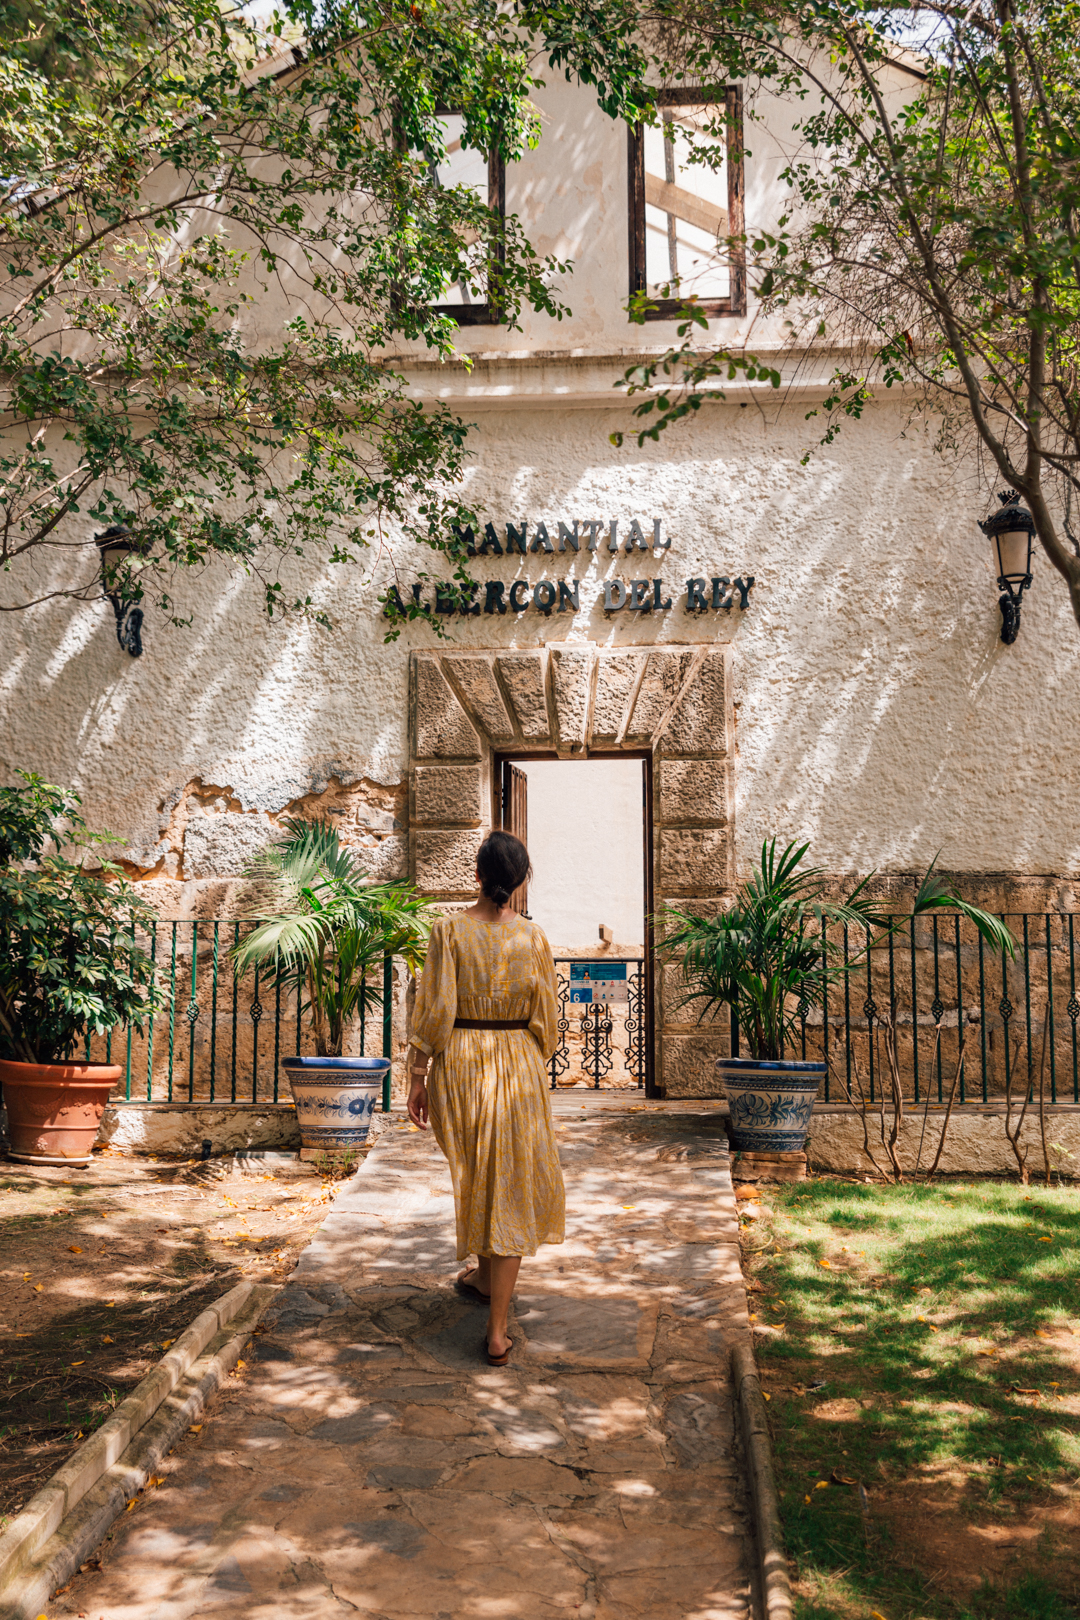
x,y
1010,518
129,617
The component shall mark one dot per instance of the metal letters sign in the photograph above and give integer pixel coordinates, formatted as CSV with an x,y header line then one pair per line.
x,y
719,593
592,982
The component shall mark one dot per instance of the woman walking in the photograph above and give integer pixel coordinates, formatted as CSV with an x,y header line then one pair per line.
x,y
486,1013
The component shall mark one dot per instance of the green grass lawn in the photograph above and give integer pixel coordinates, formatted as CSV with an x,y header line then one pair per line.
x,y
928,1352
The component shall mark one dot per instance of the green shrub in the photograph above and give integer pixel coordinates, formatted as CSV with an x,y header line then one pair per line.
x,y
69,964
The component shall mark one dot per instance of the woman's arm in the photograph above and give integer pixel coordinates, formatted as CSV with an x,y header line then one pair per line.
x,y
544,1012
418,1100
433,1017
436,994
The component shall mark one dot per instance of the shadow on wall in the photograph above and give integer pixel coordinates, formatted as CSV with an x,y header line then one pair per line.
x,y
877,712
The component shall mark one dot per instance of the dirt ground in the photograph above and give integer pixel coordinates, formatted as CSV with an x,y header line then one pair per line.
x,y
101,1268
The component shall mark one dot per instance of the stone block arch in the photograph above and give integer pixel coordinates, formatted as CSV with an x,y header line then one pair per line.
x,y
577,700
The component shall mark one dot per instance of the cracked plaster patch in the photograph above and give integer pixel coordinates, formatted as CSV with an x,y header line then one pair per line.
x,y
208,830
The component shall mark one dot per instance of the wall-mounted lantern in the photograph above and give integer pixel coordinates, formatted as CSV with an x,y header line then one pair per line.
x,y
1011,529
116,546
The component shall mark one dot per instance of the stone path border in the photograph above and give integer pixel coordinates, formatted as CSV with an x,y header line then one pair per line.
x,y
773,1572
66,1520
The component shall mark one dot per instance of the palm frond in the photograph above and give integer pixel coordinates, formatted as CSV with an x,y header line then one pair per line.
x,y
285,941
322,926
936,893
775,947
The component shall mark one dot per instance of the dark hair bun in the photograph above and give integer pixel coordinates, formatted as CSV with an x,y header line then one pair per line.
x,y
503,864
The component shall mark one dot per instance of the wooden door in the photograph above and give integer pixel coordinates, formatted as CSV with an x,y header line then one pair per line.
x,y
514,800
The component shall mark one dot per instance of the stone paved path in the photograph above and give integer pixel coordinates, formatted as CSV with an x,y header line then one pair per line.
x,y
367,1460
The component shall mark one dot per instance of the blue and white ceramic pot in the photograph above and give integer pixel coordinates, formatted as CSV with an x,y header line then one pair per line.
x,y
335,1098
770,1103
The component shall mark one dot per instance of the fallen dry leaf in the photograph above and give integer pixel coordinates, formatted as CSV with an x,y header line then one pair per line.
x,y
194,1429
841,1479
155,1480
38,1287
826,1264
806,1499
73,1248
107,1340
167,1343
822,1485
78,1363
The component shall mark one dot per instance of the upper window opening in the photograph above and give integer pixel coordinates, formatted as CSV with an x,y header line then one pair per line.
x,y
686,189
469,299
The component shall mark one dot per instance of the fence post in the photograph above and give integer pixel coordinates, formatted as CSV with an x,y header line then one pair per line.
x,y
387,1024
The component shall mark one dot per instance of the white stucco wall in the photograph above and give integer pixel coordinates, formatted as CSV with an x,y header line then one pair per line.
x,y
586,829
877,712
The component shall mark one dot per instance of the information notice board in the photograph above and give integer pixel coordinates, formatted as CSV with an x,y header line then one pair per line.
x,y
592,982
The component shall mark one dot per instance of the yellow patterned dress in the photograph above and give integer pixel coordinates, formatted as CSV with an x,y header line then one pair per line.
x,y
488,1097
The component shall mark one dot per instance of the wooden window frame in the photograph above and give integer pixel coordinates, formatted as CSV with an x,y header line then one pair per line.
x,y
667,309
488,313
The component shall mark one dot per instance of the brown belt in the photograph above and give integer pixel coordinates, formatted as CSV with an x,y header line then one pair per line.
x,y
491,1023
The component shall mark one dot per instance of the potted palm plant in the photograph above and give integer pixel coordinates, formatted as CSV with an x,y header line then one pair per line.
x,y
70,969
323,929
767,953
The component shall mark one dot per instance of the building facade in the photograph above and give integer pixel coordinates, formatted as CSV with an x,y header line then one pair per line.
x,y
799,647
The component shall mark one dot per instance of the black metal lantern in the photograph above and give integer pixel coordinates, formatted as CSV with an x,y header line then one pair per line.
x,y
116,546
1011,529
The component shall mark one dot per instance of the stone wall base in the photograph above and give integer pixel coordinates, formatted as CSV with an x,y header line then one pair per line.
x,y
183,1127
975,1145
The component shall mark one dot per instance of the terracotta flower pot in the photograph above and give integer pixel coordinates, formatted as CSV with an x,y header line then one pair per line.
x,y
54,1109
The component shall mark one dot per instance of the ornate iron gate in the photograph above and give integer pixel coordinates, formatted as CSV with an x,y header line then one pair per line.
x,y
601,1041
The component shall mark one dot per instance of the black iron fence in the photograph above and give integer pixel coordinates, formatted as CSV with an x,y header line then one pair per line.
x,y
221,1038
601,1024
960,1013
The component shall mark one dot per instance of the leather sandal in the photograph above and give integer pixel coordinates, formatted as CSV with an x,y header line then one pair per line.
x,y
498,1361
470,1291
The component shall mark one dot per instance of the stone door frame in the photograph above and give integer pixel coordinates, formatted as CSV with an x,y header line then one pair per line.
x,y
575,700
